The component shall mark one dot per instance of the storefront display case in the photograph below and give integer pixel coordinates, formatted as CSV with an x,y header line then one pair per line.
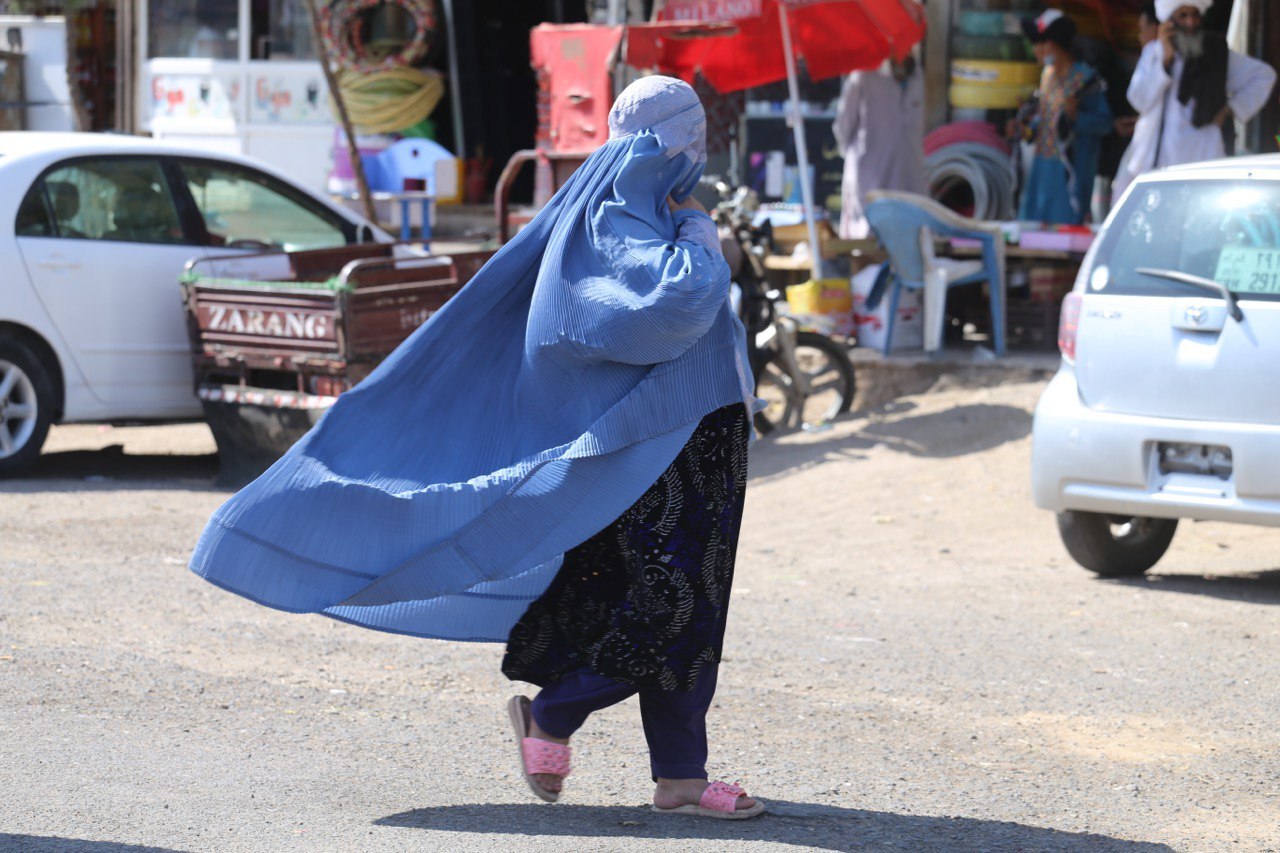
x,y
40,45
236,75
769,164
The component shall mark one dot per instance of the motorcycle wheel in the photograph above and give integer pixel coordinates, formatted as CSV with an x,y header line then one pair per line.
x,y
825,363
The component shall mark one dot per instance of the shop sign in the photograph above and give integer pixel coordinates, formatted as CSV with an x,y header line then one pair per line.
x,y
712,10
195,96
274,324
294,98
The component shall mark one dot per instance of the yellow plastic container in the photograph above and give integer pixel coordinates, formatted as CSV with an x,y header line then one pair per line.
x,y
986,72
832,297
966,96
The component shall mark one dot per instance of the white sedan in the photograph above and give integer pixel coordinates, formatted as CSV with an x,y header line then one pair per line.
x,y
1167,405
94,232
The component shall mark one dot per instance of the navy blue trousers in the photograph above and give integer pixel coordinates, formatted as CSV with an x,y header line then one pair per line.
x,y
675,721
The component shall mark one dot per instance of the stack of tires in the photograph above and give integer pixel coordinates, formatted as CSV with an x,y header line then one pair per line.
x,y
992,67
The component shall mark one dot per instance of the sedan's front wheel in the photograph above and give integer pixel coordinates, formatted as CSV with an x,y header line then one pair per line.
x,y
26,406
1115,546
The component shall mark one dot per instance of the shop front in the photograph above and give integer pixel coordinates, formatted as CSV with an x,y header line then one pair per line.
x,y
981,75
236,76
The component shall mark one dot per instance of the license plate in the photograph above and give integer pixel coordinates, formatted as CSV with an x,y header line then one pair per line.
x,y
1208,460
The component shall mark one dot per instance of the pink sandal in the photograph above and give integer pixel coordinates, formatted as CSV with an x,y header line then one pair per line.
x,y
720,801
537,755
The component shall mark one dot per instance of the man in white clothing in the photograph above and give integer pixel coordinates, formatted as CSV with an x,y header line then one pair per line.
x,y
880,130
1186,86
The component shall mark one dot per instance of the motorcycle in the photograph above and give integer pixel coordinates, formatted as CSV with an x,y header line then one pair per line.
x,y
803,375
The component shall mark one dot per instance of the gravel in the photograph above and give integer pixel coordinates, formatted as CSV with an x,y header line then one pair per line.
x,y
912,663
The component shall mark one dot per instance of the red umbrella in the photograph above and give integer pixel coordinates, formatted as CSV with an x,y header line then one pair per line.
x,y
737,44
833,37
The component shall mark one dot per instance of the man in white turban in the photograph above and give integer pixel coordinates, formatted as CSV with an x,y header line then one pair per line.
x,y
1188,83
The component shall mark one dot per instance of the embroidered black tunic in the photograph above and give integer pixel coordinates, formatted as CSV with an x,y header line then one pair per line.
x,y
645,600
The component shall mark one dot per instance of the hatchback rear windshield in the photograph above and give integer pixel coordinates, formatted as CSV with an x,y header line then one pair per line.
x,y
1227,231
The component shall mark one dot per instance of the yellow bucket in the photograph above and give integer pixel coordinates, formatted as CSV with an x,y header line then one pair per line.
x,y
970,97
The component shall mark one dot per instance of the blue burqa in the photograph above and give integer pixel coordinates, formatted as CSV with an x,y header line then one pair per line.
x,y
437,496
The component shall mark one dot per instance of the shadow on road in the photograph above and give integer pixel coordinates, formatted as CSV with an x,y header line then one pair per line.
x,y
801,824
1253,587
935,435
954,432
114,465
50,844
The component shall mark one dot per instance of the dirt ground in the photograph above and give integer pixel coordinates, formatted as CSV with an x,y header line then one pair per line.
x,y
913,663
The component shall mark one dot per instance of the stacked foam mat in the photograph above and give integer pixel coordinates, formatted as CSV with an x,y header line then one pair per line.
x,y
970,161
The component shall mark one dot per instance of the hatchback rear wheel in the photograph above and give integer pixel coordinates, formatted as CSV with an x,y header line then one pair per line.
x,y
1115,546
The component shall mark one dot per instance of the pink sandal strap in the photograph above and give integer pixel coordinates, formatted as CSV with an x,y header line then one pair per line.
x,y
721,796
543,756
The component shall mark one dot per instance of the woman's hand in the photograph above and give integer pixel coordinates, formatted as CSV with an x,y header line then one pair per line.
x,y
689,203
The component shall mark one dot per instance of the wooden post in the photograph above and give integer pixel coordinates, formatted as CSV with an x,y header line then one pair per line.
x,y
1265,21
937,62
126,68
362,182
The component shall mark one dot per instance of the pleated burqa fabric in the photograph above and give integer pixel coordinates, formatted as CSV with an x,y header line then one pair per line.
x,y
437,497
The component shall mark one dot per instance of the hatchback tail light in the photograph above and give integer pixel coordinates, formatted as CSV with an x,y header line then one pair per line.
x,y
1069,326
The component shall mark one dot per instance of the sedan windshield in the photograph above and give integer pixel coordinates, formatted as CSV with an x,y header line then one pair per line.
x,y
1224,231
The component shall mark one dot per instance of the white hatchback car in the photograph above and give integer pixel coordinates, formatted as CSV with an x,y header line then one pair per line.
x,y
1167,404
94,232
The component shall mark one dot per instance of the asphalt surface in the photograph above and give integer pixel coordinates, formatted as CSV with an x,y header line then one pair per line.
x,y
913,663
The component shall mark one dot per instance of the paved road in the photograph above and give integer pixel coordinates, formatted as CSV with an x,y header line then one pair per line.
x,y
913,663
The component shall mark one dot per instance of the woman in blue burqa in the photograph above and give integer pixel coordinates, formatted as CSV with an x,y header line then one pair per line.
x,y
557,460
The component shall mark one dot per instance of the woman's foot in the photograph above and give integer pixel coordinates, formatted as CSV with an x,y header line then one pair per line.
x,y
544,759
546,781
673,793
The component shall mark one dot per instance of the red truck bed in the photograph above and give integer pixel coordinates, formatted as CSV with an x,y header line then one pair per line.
x,y
277,336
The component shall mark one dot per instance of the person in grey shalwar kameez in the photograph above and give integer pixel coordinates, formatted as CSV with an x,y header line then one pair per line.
x,y
880,128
